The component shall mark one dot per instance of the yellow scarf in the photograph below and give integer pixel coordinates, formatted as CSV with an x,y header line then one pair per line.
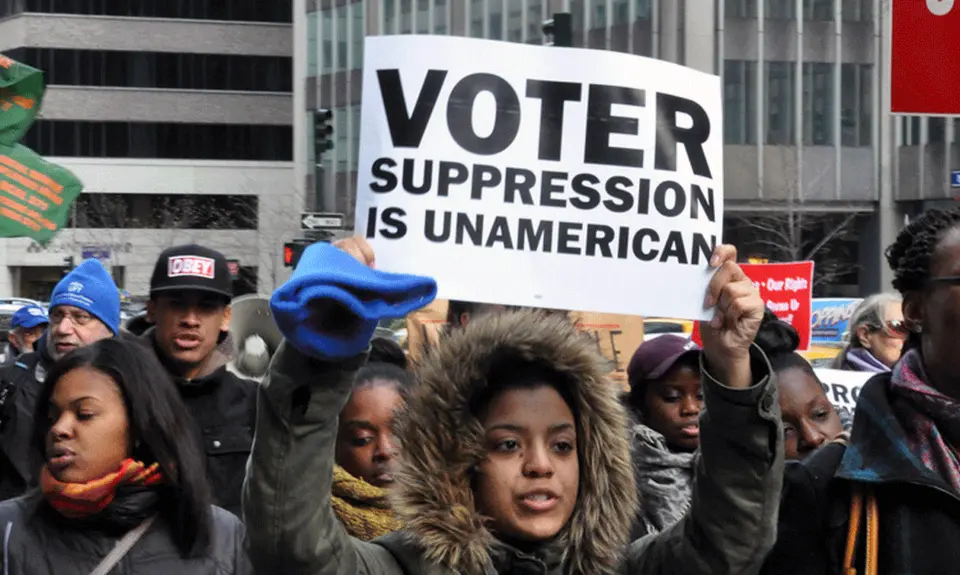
x,y
362,508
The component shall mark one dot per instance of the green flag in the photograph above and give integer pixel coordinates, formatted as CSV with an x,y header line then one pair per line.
x,y
21,93
35,195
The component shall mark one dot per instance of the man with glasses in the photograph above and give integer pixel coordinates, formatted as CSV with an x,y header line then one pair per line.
x,y
84,308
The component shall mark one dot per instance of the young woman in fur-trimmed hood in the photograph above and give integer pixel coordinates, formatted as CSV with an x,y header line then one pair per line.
x,y
514,458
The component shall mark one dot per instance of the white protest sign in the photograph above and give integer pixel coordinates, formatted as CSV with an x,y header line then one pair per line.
x,y
541,176
843,387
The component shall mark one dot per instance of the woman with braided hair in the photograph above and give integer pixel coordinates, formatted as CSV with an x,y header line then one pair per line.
x,y
902,462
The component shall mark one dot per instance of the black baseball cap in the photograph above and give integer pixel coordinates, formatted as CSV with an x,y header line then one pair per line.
x,y
192,268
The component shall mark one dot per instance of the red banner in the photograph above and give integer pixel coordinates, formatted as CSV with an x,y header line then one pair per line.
x,y
787,289
925,73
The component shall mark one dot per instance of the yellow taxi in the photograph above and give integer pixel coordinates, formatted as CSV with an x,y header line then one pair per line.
x,y
822,355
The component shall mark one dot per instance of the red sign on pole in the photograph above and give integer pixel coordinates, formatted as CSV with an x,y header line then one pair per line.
x,y
787,289
925,67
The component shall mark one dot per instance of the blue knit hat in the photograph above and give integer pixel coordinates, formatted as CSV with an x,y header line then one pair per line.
x,y
327,273
89,287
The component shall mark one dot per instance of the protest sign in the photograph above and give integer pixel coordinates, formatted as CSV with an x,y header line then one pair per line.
x,y
525,175
616,336
830,318
21,92
35,195
843,387
787,290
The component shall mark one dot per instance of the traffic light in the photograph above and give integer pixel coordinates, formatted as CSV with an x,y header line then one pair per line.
x,y
68,265
291,253
559,29
322,132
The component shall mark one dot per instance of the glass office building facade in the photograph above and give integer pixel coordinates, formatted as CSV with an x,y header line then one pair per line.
x,y
802,86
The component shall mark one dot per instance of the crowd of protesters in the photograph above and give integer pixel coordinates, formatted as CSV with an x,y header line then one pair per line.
x,y
505,448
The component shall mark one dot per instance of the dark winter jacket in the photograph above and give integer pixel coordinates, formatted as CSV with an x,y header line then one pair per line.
x,y
21,382
919,512
225,409
293,530
38,541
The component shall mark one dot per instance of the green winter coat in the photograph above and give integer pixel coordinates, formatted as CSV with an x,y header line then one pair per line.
x,y
291,528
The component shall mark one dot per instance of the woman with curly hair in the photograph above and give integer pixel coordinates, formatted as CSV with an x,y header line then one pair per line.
x,y
902,462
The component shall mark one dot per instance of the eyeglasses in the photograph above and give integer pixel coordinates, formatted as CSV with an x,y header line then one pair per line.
x,y
950,280
76,317
894,328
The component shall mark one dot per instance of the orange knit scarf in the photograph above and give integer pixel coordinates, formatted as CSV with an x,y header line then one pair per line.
x,y
76,500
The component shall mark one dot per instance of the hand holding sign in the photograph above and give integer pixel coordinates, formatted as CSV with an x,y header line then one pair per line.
x,y
739,310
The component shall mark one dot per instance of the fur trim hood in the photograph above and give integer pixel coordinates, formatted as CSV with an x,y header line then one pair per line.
x,y
443,441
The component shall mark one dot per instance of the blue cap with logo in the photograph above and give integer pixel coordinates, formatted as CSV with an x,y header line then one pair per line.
x,y
89,287
29,316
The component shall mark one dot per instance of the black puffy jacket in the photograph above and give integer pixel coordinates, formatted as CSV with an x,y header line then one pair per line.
x,y
20,459
38,541
225,409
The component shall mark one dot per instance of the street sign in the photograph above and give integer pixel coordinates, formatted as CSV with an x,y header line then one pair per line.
x,y
925,62
320,221
955,179
95,252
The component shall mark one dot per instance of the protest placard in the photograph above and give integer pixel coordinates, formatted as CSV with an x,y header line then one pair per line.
x,y
830,318
787,291
843,387
616,336
525,175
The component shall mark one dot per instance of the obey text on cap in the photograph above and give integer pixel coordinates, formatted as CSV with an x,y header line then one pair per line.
x,y
195,266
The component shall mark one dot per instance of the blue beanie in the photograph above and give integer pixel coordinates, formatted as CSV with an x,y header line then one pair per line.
x,y
326,272
89,287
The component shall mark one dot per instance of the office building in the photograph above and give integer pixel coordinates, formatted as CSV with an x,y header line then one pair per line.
x,y
176,116
806,146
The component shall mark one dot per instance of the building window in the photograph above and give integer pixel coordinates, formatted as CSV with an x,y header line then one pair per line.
x,y
780,84
496,20
166,211
780,9
342,36
358,17
423,16
161,69
326,35
11,7
576,16
740,8
389,17
644,9
237,10
440,17
535,22
406,16
621,12
739,102
818,10
476,18
313,24
817,104
598,20
515,22
856,104
857,10
155,140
